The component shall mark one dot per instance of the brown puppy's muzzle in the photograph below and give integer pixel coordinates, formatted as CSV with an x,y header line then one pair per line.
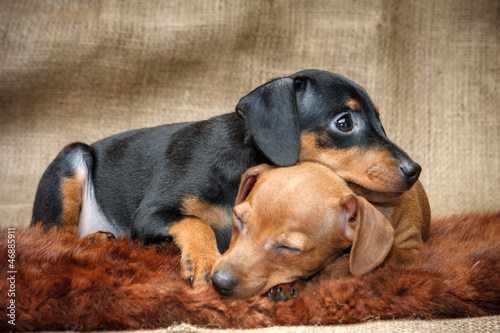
x,y
229,279
224,282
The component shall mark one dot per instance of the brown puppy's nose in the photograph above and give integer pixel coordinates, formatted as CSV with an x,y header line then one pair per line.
x,y
223,283
410,171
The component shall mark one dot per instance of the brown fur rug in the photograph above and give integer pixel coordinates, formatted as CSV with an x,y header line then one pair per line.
x,y
63,283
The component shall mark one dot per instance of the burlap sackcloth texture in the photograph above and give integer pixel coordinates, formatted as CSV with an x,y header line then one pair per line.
x,y
83,70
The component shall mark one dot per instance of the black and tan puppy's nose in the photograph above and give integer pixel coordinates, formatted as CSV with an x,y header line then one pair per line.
x,y
410,171
223,283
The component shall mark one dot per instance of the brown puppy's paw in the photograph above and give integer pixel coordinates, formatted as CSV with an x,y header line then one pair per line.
x,y
285,292
100,237
196,268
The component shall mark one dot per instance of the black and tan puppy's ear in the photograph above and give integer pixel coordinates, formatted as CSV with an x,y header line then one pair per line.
x,y
372,235
270,113
248,180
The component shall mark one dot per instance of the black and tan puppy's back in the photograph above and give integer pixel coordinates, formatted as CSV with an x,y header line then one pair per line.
x,y
179,182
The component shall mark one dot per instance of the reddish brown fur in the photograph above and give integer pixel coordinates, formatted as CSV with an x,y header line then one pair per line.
x,y
65,283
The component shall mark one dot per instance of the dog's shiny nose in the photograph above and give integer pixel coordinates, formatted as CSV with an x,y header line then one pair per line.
x,y
223,283
410,171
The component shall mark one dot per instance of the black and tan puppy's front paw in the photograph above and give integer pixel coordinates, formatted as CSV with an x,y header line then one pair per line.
x,y
100,237
196,268
196,240
284,292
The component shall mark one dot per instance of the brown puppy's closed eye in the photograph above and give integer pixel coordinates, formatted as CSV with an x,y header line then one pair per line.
x,y
291,223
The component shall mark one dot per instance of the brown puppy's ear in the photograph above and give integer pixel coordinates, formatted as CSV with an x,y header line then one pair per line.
x,y
248,180
372,233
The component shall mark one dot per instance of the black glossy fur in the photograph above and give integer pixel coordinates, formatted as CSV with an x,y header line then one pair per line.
x,y
140,177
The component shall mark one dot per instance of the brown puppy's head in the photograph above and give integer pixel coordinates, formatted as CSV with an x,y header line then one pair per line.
x,y
323,117
289,223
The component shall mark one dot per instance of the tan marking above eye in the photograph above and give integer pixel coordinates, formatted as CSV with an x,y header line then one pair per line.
x,y
352,104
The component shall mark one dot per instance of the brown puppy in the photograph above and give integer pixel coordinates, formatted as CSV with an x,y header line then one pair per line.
x,y
291,223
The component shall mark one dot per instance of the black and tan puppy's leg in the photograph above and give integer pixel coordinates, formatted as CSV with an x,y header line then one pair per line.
x,y
100,237
196,240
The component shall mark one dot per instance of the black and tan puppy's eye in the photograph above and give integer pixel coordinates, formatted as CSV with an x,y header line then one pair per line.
x,y
344,123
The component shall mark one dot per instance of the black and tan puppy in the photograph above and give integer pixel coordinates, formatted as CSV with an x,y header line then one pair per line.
x,y
179,182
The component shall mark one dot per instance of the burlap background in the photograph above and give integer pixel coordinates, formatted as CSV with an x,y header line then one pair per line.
x,y
83,70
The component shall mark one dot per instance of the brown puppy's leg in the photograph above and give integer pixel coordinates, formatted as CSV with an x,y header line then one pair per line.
x,y
196,240
285,292
337,269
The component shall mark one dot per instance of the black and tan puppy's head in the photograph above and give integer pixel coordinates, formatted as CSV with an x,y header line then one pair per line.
x,y
326,118
289,223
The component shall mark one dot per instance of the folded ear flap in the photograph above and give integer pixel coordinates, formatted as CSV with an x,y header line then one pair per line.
x,y
248,180
270,113
373,235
